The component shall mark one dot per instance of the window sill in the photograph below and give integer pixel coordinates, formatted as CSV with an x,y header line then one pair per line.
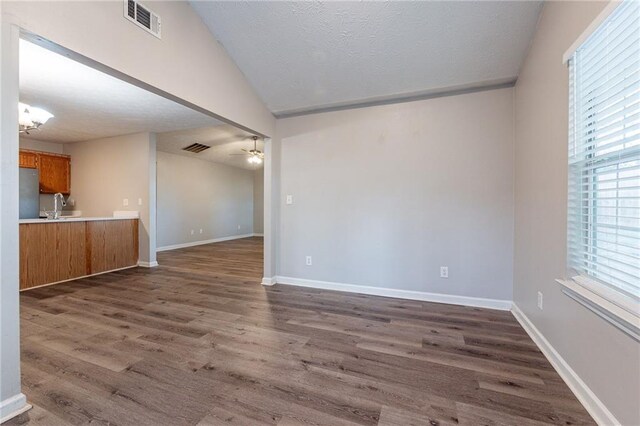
x,y
627,320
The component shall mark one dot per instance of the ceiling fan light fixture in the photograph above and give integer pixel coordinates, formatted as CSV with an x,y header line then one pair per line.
x,y
31,118
254,159
255,156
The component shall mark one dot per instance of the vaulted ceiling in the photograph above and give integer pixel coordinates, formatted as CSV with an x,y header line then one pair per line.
x,y
305,56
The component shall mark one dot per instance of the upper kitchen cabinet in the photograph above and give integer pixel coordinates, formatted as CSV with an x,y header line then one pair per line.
x,y
54,170
28,159
55,173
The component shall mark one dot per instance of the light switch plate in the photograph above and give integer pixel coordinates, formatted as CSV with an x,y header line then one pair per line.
x,y
289,199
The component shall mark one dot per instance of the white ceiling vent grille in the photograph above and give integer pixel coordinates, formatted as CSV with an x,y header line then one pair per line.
x,y
143,17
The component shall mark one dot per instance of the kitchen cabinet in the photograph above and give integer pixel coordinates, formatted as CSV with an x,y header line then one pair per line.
x,y
54,170
55,173
54,251
28,159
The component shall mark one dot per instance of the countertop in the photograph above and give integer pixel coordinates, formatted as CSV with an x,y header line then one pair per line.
x,y
75,219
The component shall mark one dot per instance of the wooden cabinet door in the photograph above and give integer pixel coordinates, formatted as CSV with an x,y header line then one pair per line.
x,y
112,244
55,174
28,159
52,252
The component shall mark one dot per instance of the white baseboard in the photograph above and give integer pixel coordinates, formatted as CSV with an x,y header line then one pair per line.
x,y
203,242
503,305
79,278
587,398
268,280
147,264
258,235
14,406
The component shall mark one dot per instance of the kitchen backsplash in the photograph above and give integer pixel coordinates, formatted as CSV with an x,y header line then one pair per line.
x,y
46,203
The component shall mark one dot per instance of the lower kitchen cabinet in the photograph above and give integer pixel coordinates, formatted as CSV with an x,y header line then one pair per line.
x,y
62,250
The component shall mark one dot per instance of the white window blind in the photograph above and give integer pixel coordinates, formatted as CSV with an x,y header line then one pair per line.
x,y
604,153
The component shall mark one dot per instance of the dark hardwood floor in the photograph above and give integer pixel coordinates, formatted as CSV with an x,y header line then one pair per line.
x,y
198,341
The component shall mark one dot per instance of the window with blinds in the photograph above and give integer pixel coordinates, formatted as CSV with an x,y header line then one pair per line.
x,y
604,154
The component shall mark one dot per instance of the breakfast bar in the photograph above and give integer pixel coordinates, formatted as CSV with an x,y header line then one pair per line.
x,y
53,251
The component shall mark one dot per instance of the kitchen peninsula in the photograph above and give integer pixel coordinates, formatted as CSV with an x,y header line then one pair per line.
x,y
52,251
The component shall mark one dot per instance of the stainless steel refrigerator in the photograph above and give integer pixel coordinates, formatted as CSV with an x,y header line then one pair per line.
x,y
29,193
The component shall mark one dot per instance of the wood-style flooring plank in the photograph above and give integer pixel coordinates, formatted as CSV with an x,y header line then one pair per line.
x,y
198,341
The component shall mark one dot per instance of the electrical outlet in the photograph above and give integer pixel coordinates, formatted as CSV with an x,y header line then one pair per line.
x,y
540,300
444,272
125,202
201,230
139,201
192,232
308,261
72,202
289,199
238,227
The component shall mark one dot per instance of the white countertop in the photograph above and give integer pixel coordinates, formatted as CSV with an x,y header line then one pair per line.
x,y
74,219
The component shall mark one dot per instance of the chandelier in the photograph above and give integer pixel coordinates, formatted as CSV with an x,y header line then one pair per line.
x,y
31,118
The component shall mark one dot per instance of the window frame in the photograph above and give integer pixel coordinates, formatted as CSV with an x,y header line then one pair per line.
x,y
610,301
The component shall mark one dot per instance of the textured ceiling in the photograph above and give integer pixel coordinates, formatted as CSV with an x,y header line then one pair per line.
x,y
310,55
224,141
89,104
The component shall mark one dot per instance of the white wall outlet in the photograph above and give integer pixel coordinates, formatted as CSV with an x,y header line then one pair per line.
x,y
238,227
540,300
139,201
289,199
192,232
444,272
308,261
201,230
72,202
125,202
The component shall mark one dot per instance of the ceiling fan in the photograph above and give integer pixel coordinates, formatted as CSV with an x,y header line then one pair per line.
x,y
255,155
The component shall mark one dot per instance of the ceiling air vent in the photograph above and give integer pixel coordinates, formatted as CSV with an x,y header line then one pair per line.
x,y
142,17
196,148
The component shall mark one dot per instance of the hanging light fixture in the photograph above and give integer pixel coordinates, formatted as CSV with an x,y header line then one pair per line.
x,y
255,155
254,159
30,118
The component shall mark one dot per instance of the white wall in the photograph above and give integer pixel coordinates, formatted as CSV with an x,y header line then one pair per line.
x,y
106,171
194,66
11,399
606,359
197,194
258,201
383,196
272,154
35,145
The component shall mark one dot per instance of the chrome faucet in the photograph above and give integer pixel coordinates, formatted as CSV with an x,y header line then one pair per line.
x,y
58,212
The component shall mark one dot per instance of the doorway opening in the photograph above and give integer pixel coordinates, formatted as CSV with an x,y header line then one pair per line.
x,y
210,185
